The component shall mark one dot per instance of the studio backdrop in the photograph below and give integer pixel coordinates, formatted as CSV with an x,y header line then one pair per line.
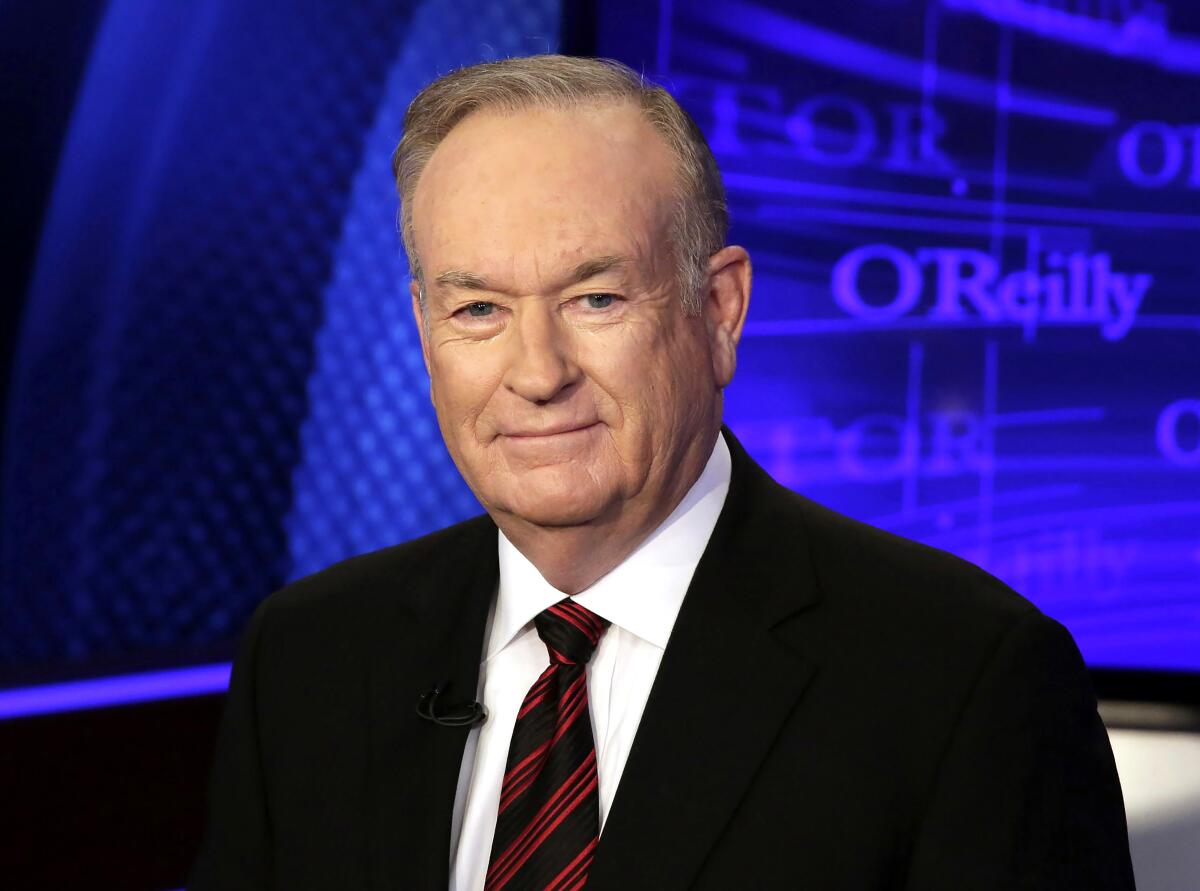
x,y
975,321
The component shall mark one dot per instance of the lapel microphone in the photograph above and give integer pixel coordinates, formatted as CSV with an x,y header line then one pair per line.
x,y
465,714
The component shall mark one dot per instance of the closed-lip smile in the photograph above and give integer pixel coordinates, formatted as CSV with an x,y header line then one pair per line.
x,y
550,431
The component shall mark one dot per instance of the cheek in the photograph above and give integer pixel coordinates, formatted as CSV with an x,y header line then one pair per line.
x,y
620,364
461,388
654,372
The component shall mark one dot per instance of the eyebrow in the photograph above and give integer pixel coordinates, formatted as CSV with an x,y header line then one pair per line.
x,y
469,281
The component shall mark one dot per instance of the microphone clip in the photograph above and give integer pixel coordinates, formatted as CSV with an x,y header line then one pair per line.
x,y
466,714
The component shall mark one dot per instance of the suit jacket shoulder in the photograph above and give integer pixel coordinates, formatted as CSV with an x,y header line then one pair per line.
x,y
354,587
912,594
324,775
889,599
320,633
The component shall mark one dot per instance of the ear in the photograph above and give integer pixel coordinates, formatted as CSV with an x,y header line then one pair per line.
x,y
414,290
726,300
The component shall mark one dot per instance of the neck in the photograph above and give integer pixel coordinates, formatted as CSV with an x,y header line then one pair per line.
x,y
572,558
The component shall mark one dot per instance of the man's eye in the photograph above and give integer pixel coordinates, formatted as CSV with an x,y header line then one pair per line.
x,y
599,301
480,308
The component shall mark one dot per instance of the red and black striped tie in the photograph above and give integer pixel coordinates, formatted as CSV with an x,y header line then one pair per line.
x,y
549,819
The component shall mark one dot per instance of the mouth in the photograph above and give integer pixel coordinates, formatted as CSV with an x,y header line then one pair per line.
x,y
532,436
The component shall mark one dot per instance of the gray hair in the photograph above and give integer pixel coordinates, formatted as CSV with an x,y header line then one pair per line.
x,y
701,221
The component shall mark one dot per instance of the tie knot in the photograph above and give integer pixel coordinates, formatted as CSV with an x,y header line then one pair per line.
x,y
570,632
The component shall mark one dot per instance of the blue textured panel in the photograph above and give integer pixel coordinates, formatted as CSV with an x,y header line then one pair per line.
x,y
222,204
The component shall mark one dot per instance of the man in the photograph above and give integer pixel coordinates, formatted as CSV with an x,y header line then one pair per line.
x,y
693,678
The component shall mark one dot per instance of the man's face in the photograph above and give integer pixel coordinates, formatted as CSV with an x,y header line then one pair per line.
x,y
567,380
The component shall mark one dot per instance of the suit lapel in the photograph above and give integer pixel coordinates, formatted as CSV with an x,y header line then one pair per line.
x,y
726,683
414,764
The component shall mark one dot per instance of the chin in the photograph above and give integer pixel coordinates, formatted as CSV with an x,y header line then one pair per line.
x,y
559,502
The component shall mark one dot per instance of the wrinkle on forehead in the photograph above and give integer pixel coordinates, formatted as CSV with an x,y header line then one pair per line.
x,y
466,280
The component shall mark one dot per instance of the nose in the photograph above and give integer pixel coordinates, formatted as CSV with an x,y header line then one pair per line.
x,y
541,365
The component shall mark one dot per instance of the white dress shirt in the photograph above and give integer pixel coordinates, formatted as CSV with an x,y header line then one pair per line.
x,y
641,598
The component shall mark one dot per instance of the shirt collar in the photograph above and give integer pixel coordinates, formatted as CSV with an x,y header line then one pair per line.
x,y
644,592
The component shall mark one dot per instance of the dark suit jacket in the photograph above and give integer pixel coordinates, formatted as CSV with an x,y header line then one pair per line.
x,y
837,708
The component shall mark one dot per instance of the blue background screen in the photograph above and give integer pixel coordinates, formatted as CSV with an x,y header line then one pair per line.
x,y
976,233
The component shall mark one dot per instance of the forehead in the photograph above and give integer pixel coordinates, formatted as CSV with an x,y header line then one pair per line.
x,y
526,194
